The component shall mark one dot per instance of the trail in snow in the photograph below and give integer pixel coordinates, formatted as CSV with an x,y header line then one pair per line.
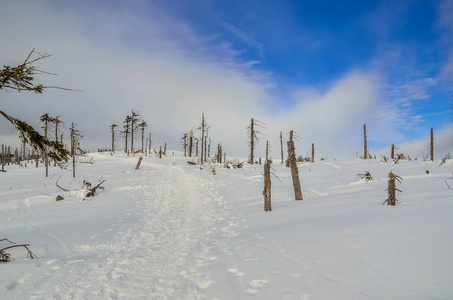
x,y
160,257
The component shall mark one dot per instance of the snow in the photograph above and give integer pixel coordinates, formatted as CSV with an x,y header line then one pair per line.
x,y
174,231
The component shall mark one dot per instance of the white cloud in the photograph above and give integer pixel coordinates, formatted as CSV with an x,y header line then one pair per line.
x,y
161,67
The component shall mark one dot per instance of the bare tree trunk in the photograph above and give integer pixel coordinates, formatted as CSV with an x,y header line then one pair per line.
x,y
3,158
312,152
138,163
281,145
267,186
392,153
267,150
73,150
391,190
196,149
165,148
365,149
190,142
160,151
431,145
150,144
46,156
252,141
202,138
294,170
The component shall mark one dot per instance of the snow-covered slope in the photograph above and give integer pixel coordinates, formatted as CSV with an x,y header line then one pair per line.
x,y
174,231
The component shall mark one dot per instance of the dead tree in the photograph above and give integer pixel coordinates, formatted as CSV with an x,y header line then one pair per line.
x,y
3,158
254,139
126,131
391,198
204,134
281,145
392,153
294,170
219,153
112,129
196,147
57,121
75,136
47,120
431,145
149,143
138,163
143,125
135,119
365,148
312,152
6,257
184,139
190,142
267,186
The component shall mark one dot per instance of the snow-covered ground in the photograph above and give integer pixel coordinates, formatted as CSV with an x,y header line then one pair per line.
x,y
174,231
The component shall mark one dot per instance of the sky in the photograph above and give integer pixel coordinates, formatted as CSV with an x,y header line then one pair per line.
x,y
320,68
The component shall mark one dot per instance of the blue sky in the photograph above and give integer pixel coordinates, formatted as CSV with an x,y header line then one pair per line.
x,y
315,42
321,68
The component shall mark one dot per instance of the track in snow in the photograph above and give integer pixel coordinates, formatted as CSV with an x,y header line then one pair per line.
x,y
161,256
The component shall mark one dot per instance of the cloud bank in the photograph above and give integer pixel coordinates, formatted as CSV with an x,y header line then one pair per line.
x,y
139,57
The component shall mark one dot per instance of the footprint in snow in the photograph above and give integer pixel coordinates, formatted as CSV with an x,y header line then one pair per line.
x,y
255,285
235,272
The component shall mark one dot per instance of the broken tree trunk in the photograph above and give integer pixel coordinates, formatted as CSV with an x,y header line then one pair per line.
x,y
294,170
281,145
93,191
391,190
365,148
267,186
138,163
312,152
431,145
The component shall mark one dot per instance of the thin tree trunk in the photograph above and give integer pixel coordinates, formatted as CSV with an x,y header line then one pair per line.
x,y
267,186
365,149
392,153
431,145
294,170
46,156
312,152
281,145
252,141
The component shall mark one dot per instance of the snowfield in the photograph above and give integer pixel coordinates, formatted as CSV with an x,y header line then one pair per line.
x,y
174,231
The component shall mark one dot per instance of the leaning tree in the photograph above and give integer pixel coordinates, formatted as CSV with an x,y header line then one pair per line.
x,y
20,78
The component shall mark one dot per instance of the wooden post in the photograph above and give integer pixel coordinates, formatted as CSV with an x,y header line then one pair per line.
x,y
165,148
138,163
267,186
365,150
281,145
259,161
160,151
312,152
294,170
431,145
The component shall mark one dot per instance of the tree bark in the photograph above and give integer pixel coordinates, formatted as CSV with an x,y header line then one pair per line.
x,y
267,186
431,145
294,171
365,149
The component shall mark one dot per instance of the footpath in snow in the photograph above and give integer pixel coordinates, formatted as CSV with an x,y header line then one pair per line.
x,y
174,231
